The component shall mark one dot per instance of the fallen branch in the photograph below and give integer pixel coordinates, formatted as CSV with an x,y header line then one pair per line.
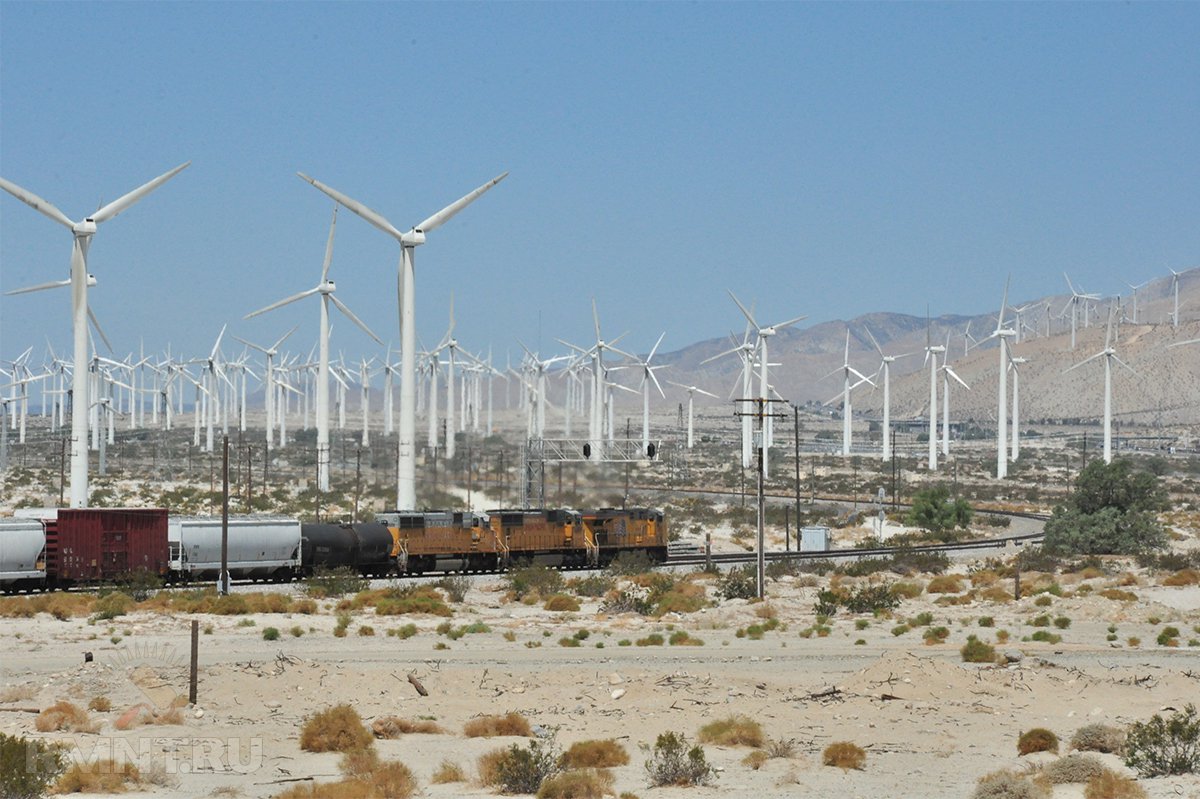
x,y
417,684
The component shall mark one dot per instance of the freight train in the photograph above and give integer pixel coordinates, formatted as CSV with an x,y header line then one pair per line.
x,y
89,546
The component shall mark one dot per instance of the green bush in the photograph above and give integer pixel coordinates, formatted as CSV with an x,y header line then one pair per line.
x,y
28,766
1112,511
1165,746
455,586
976,651
330,583
1039,739
934,511
738,583
672,762
537,580
523,769
270,634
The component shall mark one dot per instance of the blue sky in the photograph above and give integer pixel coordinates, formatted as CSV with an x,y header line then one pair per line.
x,y
828,159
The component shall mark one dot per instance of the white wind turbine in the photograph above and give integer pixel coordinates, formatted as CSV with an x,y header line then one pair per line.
x,y
885,366
764,394
745,351
1135,295
269,384
647,376
1109,353
82,233
406,468
600,416
1175,289
931,357
847,408
1073,304
325,289
692,391
1003,333
947,374
1015,363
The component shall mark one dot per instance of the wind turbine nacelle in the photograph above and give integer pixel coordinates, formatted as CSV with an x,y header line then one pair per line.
x,y
413,238
91,280
85,228
328,287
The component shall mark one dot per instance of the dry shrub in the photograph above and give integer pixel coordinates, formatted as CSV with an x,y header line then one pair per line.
x,y
1038,739
18,693
1111,785
100,704
781,747
63,715
367,777
1128,579
141,714
394,727
755,759
945,584
488,767
66,606
984,578
448,772
1183,577
335,729
1099,738
766,611
995,593
102,776
1073,768
732,731
683,597
491,726
562,603
582,784
17,608
595,754
408,600
845,755
1117,595
1007,784
907,590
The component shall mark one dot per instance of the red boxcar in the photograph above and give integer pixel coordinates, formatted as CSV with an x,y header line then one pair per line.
x,y
87,545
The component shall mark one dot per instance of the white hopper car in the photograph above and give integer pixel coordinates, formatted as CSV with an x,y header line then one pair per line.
x,y
22,554
260,547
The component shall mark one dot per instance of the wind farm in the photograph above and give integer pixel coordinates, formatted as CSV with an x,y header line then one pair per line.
x,y
694,451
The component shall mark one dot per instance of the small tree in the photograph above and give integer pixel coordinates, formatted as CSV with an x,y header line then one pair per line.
x,y
1165,746
674,763
933,510
1112,511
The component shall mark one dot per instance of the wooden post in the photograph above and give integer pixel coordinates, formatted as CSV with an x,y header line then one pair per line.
x,y
223,578
195,661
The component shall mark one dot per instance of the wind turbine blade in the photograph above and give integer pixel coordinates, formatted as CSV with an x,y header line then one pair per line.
x,y
790,322
329,246
250,344
284,337
722,354
1003,304
1081,363
1181,343
861,377
707,393
283,302
117,206
217,345
342,307
53,284
443,216
357,207
1132,371
656,383
596,318
99,331
36,203
654,349
1070,285
831,374
952,373
878,348
742,308
846,357
622,353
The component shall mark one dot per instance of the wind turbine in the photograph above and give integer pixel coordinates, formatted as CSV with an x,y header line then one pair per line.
x,y
745,351
82,233
847,370
647,376
885,366
1109,353
692,391
1003,333
601,411
1073,304
1015,364
947,374
931,356
406,467
1175,289
325,289
1135,302
764,394
269,390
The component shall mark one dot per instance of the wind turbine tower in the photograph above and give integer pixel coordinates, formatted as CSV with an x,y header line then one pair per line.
x,y
1003,333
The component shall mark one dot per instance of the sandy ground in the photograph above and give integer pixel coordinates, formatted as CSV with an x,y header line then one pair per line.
x,y
943,725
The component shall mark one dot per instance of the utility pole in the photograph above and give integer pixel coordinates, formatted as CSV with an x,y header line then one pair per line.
x,y
62,472
796,421
357,479
760,413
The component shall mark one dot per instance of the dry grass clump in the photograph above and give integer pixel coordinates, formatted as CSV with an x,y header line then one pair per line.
x,y
995,593
102,776
335,729
100,704
1111,785
733,731
1099,738
945,584
366,777
682,597
582,784
755,759
63,715
845,755
488,767
984,578
1007,784
1073,768
492,726
1038,739
394,727
448,772
18,693
907,590
1118,595
1183,577
595,754
562,603
139,715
